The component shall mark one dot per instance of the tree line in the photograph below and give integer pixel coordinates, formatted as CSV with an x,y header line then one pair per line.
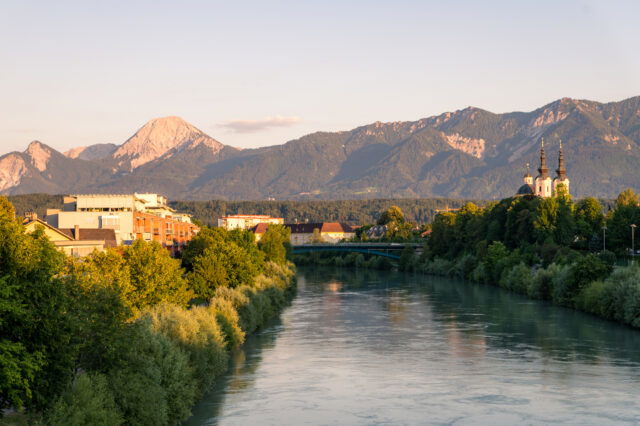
x,y
573,254
129,335
356,212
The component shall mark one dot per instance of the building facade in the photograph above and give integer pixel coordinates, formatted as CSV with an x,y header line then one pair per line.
x,y
247,221
130,216
309,233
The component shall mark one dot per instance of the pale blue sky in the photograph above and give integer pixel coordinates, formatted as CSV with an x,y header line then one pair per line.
x,y
80,72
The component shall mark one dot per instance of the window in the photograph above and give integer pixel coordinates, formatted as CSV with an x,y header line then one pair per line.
x,y
110,222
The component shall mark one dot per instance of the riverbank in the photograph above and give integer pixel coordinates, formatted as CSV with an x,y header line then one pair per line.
x,y
589,283
177,355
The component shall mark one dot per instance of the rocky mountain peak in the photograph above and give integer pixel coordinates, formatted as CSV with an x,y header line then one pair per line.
x,y
12,169
158,137
39,154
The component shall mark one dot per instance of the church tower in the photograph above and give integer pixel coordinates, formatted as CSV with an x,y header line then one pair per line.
x,y
543,184
561,172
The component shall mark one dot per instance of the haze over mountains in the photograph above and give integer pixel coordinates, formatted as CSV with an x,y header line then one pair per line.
x,y
469,153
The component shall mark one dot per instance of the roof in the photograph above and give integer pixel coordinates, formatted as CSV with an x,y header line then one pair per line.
x,y
260,228
336,227
525,189
249,216
106,235
307,228
31,226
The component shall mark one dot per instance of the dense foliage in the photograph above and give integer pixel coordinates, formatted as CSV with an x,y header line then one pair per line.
x,y
115,337
551,249
349,211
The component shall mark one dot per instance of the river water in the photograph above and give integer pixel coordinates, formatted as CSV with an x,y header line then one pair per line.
x,y
371,347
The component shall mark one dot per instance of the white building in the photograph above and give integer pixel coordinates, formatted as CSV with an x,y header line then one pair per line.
x,y
247,221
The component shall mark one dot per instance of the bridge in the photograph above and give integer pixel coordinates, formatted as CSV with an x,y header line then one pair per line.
x,y
390,250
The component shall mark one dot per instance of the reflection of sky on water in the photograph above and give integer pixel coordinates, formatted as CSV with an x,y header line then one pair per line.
x,y
358,347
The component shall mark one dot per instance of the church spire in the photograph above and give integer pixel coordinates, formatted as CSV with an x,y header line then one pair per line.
x,y
543,170
561,171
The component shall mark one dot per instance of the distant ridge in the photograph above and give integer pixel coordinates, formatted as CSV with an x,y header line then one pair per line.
x,y
469,153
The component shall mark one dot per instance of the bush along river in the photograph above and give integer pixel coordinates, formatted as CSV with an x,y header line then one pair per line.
x,y
383,347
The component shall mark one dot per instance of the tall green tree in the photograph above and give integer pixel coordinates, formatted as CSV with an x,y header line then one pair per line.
x,y
155,276
36,333
275,243
392,214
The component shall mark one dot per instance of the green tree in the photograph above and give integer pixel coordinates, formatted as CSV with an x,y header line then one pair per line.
x,y
155,276
589,220
88,401
407,259
222,265
36,333
275,243
626,213
443,232
545,220
203,240
392,214
316,238
565,225
627,198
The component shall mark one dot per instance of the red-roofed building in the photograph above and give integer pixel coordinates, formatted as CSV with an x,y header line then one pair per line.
x,y
303,233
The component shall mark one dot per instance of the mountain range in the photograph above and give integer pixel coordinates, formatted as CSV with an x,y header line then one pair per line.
x,y
469,153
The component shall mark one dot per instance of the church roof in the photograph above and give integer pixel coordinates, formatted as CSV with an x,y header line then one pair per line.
x,y
525,189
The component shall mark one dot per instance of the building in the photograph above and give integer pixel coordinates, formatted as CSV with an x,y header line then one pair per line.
x,y
130,216
171,233
308,233
247,221
76,241
543,186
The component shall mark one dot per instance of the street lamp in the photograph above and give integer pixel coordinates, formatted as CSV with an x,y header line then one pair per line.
x,y
633,246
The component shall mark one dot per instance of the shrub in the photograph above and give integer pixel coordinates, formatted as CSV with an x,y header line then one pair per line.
x,y
152,383
228,319
479,274
88,401
577,276
541,287
518,279
195,331
439,266
621,296
591,298
563,286
464,266
494,261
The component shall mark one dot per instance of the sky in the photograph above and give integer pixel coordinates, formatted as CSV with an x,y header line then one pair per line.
x,y
256,73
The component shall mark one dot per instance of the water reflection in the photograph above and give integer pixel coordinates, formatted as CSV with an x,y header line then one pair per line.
x,y
362,347
243,364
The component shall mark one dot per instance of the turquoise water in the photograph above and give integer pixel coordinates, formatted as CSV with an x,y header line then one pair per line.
x,y
371,347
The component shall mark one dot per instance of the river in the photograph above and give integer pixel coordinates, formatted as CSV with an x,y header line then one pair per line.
x,y
372,347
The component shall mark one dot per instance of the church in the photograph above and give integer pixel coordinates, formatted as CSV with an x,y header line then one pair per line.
x,y
542,185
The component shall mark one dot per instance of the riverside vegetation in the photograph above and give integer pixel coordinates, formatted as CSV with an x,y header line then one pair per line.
x,y
549,249
128,336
